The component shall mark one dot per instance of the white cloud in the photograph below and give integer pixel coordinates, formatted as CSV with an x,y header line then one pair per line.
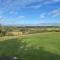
x,y
19,17
55,12
56,0
42,2
13,12
13,4
3,19
34,6
47,2
50,1
43,15
55,15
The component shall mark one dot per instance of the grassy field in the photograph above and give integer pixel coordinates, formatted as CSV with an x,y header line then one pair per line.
x,y
41,46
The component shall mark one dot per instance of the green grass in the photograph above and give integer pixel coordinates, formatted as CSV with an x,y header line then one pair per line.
x,y
41,46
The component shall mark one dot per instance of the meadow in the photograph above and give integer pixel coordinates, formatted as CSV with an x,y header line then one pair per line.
x,y
39,46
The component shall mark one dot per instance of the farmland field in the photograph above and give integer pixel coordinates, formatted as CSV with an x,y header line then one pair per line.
x,y
41,46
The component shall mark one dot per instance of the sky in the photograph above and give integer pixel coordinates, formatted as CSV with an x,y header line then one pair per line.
x,y
32,12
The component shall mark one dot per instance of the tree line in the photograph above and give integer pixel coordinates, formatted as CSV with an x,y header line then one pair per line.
x,y
28,29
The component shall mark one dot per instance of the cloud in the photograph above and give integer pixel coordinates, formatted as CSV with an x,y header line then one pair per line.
x,y
40,3
37,6
55,15
50,1
3,19
13,13
21,17
11,6
55,12
20,3
14,4
43,15
34,6
56,0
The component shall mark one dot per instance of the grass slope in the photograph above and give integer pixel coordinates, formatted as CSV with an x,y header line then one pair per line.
x,y
41,46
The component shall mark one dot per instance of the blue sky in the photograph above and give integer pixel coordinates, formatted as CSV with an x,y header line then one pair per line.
x,y
16,12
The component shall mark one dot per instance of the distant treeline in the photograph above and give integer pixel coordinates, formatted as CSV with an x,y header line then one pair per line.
x,y
11,30
39,26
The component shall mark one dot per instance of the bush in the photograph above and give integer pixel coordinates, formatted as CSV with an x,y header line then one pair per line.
x,y
1,34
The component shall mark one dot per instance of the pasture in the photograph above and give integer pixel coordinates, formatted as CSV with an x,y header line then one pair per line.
x,y
40,46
